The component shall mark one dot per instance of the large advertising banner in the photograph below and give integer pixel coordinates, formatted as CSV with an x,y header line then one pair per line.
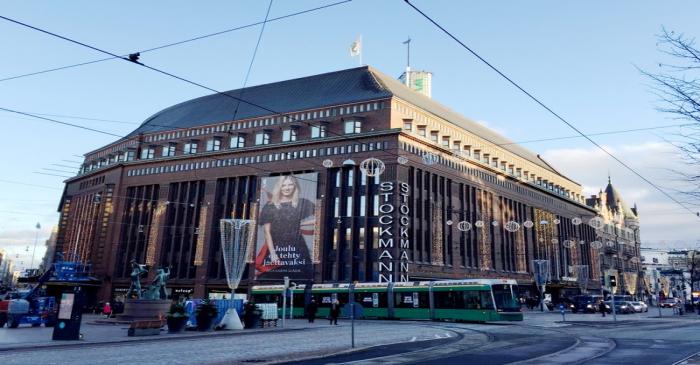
x,y
286,226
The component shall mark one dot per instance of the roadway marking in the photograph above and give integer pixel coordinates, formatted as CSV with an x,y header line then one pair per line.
x,y
585,348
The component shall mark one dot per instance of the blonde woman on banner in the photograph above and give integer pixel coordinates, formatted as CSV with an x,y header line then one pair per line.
x,y
286,217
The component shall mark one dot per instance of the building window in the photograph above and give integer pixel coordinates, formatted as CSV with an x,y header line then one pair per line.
x,y
214,144
169,150
353,126
363,205
421,130
456,146
348,207
408,125
190,147
148,153
130,155
336,208
318,131
477,155
262,138
434,136
289,135
237,141
446,141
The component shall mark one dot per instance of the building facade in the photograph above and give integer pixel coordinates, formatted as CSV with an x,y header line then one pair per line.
x,y
620,238
386,185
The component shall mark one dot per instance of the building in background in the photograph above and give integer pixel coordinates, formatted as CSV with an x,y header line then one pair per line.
x,y
50,244
677,271
620,237
445,197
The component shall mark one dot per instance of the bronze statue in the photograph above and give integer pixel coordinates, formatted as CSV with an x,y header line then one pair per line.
x,y
157,289
136,271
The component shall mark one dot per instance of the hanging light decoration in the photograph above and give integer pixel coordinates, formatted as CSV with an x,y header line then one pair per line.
x,y
576,221
402,160
555,241
430,159
596,245
494,223
464,226
449,222
479,224
544,222
528,224
372,167
512,226
568,243
556,221
596,222
327,163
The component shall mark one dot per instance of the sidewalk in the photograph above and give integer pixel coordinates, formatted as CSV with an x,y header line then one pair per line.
x,y
26,337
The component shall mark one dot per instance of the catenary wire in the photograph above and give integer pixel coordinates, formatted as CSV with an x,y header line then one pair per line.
x,y
167,74
178,42
252,61
536,100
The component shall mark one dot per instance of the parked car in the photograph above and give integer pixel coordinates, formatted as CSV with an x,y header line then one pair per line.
x,y
668,303
639,307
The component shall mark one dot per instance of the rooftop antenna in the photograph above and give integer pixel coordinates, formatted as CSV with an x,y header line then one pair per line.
x,y
408,61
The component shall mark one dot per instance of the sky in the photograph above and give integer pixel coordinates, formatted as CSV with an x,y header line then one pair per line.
x,y
582,59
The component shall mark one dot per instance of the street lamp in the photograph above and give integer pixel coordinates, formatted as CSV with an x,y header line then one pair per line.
x,y
36,239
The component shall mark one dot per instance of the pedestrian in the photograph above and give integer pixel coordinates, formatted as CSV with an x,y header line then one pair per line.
x,y
601,307
311,310
334,312
107,310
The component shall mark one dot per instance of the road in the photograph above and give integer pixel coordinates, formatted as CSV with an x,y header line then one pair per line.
x,y
542,338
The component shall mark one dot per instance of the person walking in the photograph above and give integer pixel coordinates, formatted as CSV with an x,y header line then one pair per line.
x,y
311,310
107,310
601,307
335,312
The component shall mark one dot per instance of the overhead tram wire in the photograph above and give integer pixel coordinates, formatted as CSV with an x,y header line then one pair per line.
x,y
599,134
178,42
225,94
288,115
629,168
252,61
128,59
60,122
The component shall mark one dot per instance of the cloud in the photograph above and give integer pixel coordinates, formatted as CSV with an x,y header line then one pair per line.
x,y
663,222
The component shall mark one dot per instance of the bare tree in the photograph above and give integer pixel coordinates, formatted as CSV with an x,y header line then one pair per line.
x,y
678,87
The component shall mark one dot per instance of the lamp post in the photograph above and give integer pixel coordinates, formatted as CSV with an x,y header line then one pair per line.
x,y
36,239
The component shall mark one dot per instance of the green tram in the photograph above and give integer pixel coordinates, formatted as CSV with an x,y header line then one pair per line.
x,y
473,300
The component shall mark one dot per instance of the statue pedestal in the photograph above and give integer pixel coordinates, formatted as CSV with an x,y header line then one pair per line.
x,y
144,309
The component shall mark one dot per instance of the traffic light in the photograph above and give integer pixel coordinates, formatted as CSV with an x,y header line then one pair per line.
x,y
613,281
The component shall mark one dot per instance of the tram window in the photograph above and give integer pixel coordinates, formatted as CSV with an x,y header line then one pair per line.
x,y
504,297
372,300
472,300
411,300
486,299
449,300
267,298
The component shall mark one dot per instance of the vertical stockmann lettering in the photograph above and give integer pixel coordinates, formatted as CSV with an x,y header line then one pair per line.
x,y
388,239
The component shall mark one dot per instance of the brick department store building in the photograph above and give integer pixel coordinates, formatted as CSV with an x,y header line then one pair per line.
x,y
157,195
